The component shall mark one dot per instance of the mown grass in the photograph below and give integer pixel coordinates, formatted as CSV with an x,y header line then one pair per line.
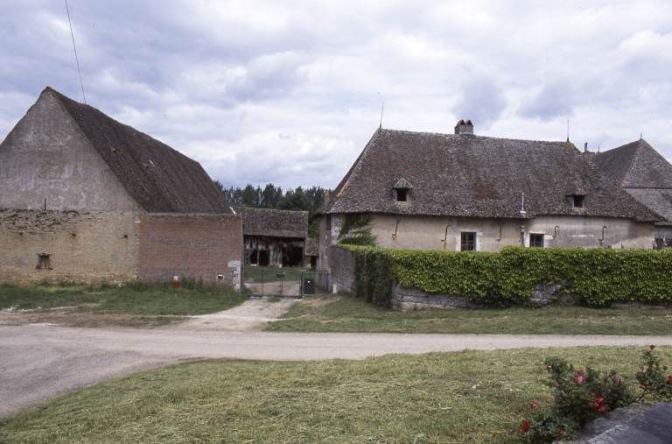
x,y
272,274
348,314
462,397
137,299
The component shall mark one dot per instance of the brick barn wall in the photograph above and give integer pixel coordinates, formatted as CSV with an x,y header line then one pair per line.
x,y
195,246
85,246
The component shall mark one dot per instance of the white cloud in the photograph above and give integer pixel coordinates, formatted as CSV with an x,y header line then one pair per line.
x,y
290,92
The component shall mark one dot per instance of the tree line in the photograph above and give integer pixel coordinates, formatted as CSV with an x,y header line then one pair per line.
x,y
271,196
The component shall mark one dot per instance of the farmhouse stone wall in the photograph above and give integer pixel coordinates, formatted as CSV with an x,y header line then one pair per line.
x,y
207,247
83,246
440,233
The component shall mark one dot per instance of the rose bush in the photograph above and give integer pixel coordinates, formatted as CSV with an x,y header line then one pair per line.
x,y
580,396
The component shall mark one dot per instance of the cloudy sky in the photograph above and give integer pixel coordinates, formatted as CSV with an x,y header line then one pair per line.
x,y
290,91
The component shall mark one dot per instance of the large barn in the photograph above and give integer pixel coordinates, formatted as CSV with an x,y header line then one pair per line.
x,y
86,198
461,191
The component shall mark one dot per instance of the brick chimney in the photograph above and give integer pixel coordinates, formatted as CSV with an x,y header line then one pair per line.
x,y
463,127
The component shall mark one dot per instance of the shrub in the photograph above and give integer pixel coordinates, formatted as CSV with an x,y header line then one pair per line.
x,y
581,396
653,380
356,230
373,274
594,277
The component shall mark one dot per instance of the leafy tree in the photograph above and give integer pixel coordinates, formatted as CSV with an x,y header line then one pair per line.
x,y
272,196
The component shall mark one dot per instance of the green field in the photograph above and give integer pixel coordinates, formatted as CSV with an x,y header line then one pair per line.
x,y
463,397
134,299
348,314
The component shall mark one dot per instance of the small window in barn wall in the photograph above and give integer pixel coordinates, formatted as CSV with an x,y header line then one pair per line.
x,y
43,261
468,241
402,195
536,240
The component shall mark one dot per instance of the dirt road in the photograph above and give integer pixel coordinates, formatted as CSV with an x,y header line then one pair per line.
x,y
41,361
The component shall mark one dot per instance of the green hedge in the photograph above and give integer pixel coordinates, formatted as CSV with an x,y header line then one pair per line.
x,y
595,277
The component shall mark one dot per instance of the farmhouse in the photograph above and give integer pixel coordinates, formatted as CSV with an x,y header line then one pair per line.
x,y
461,191
86,198
274,237
641,171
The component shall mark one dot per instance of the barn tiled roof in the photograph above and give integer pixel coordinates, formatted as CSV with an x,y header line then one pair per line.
x,y
643,172
158,178
636,165
463,175
274,223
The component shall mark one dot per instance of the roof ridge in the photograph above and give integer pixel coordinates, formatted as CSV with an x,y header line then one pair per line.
x,y
157,177
342,184
434,133
628,171
60,96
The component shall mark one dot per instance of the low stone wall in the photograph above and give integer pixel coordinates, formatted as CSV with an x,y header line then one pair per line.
x,y
341,270
413,299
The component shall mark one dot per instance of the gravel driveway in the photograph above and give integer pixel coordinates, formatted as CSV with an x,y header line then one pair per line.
x,y
40,361
251,315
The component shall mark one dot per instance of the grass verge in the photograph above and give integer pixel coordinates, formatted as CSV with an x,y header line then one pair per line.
x,y
463,397
348,314
128,304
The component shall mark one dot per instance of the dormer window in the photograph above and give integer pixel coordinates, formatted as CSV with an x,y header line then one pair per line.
x,y
576,200
402,189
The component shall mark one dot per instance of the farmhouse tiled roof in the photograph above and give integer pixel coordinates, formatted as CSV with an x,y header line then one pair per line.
x,y
463,175
636,165
643,172
157,177
274,223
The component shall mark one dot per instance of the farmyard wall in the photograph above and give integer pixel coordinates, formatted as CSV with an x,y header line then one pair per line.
x,y
195,246
88,247
342,270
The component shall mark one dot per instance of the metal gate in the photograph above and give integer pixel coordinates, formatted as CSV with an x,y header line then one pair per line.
x,y
292,282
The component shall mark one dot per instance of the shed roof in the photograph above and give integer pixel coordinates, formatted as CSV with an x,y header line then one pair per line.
x,y
463,175
157,177
275,223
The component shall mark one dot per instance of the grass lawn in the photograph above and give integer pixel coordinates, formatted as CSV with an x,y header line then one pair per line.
x,y
463,397
145,303
270,274
348,314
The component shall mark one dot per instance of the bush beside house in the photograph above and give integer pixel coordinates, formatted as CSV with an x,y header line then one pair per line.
x,y
596,277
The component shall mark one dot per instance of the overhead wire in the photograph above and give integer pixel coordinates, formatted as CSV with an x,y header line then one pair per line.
x,y
74,47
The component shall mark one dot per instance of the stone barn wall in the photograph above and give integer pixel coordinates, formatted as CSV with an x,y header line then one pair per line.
x,y
195,246
86,247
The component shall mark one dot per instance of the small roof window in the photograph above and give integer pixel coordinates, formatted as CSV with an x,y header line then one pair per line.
x,y
576,200
401,190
